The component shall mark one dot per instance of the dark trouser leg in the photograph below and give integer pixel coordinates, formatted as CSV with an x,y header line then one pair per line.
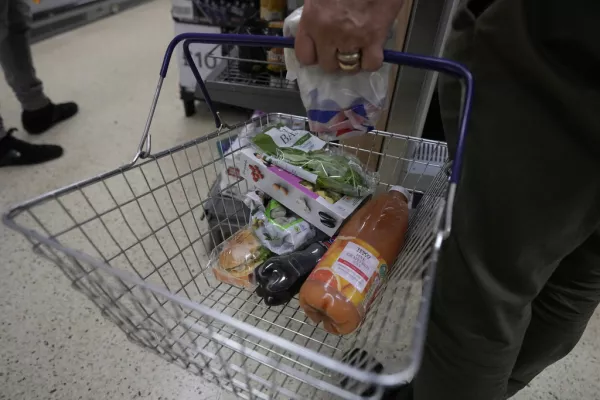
x,y
3,34
15,55
528,198
560,313
2,129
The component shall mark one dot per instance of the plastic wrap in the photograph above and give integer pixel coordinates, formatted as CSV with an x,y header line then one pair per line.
x,y
278,229
234,260
312,160
326,213
338,105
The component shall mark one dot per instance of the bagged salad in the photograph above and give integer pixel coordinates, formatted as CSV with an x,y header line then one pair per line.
x,y
311,159
338,105
278,229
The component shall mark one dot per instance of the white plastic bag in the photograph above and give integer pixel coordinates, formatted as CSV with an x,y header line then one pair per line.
x,y
338,105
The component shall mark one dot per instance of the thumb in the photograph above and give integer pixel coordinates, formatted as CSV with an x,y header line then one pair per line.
x,y
305,47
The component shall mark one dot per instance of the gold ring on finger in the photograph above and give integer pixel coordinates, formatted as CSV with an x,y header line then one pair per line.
x,y
348,58
348,61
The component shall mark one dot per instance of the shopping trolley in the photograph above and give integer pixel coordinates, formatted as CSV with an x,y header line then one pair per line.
x,y
134,241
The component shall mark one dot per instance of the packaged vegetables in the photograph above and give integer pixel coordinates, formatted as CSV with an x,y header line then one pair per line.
x,y
299,170
324,213
306,156
279,230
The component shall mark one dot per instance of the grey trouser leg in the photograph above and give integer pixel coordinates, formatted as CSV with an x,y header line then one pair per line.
x,y
15,54
519,277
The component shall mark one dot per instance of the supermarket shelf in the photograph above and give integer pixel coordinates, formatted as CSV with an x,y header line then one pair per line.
x,y
228,85
50,22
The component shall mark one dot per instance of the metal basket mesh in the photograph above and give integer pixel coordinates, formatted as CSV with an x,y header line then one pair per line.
x,y
135,242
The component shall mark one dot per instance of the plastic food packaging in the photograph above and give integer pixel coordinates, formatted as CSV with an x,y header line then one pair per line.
x,y
338,105
343,285
325,210
279,229
280,278
234,260
309,158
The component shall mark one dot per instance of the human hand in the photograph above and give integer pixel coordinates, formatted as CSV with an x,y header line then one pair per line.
x,y
345,26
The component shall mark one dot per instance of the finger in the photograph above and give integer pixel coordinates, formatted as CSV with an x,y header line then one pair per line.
x,y
372,57
327,57
305,47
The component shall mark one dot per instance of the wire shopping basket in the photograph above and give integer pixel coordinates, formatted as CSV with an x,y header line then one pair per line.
x,y
135,242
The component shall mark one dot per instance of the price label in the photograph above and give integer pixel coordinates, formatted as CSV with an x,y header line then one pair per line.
x,y
200,54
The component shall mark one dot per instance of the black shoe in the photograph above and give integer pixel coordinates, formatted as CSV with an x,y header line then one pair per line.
x,y
18,152
39,121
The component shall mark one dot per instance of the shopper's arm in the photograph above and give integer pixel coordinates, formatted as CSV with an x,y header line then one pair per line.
x,y
327,26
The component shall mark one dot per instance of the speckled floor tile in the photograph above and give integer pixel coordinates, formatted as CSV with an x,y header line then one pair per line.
x,y
54,344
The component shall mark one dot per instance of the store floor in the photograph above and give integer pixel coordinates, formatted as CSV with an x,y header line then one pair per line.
x,y
53,343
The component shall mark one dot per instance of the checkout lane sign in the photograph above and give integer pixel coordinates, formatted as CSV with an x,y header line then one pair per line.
x,y
199,51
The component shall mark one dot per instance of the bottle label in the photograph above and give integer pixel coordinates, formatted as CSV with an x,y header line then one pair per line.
x,y
354,268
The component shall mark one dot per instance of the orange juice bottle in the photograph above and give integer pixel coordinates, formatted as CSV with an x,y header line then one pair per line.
x,y
340,289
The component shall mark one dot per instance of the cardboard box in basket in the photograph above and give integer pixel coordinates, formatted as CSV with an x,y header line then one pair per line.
x,y
294,193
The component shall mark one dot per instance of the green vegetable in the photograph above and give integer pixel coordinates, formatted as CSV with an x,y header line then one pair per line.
x,y
335,172
263,254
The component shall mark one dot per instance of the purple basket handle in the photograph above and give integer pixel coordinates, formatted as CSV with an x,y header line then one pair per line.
x,y
412,60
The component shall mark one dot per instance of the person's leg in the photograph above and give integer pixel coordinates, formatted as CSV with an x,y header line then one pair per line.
x,y
560,313
39,114
528,197
12,150
15,56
